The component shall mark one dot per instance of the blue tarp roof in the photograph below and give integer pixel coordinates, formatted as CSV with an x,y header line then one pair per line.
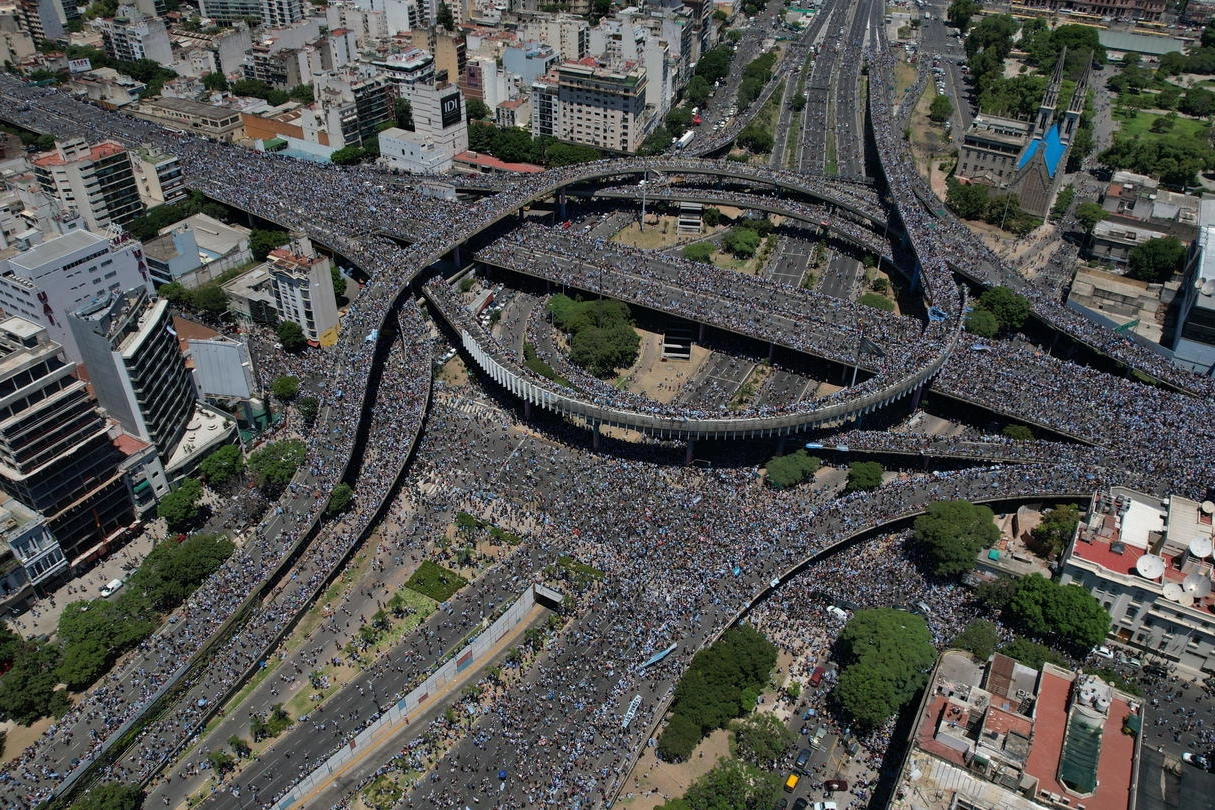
x,y
1053,148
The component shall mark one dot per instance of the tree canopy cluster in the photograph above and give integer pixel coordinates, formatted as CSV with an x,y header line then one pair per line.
x,y
886,654
1066,616
151,73
182,507
761,739
275,464
730,785
792,469
515,145
111,796
975,201
864,475
601,332
952,533
93,634
722,682
1055,531
148,225
980,638
754,77
1199,60
998,310
1157,260
1175,160
255,88
224,465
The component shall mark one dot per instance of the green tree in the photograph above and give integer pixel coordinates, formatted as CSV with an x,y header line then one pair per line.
x,y
477,110
210,299
286,387
757,138
291,336
1089,213
941,109
224,465
340,499
798,102
960,13
979,638
1198,102
697,91
239,746
263,240
181,507
445,18
993,32
276,463
996,594
404,113
714,66
1156,260
1010,309
1033,654
28,691
569,154
1019,433
221,761
348,155
711,216
967,200
791,469
982,323
952,533
699,252
1063,614
215,82
678,739
733,785
740,241
302,93
762,739
339,282
886,655
864,475
1055,531
111,796
308,408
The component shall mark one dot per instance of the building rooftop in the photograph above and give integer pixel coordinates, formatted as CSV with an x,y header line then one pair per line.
x,y
55,249
97,151
1012,737
1050,145
491,162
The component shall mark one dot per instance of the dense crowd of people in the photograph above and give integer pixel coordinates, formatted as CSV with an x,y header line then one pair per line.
x,y
669,564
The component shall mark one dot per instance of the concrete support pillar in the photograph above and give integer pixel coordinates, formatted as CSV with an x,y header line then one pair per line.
x,y
527,409
780,446
561,205
700,335
917,395
691,452
771,351
455,255
595,436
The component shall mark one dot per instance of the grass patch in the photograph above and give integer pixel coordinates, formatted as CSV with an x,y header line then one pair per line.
x,y
435,581
905,76
1140,126
568,569
534,363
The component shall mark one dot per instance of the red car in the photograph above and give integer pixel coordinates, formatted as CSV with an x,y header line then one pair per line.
x,y
835,784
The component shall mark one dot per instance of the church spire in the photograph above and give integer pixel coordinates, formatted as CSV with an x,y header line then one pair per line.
x,y
1075,108
1050,99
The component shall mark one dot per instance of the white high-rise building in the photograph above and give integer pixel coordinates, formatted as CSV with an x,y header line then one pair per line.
x,y
97,180
303,288
49,281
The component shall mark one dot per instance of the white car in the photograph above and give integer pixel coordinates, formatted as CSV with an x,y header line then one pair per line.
x,y
1103,652
111,587
824,806
1197,760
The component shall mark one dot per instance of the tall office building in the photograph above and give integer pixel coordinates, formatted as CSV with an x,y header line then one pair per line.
x,y
47,282
140,378
602,106
272,13
303,288
130,35
98,180
56,455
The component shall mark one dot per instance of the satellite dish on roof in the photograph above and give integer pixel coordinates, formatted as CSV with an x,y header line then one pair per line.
x,y
1186,600
1196,585
1150,566
1201,547
1173,592
1208,507
1208,287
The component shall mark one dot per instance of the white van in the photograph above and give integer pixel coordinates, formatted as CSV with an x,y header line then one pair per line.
x,y
111,587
